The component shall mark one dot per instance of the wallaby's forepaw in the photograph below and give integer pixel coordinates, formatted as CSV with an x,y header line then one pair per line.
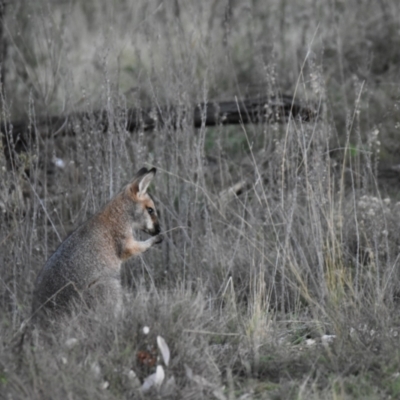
x,y
158,239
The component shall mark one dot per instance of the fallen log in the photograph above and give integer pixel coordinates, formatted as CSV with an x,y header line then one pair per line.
x,y
18,136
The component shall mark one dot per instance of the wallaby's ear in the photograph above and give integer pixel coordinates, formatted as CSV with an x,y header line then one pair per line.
x,y
142,181
145,181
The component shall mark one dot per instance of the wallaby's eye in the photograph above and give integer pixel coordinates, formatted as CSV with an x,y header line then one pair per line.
x,y
150,210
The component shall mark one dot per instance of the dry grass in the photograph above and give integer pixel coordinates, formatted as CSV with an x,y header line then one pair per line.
x,y
244,289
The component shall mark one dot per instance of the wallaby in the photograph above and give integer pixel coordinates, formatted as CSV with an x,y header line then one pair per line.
x,y
86,266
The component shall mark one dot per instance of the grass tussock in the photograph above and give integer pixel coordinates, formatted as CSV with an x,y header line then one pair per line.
x,y
288,290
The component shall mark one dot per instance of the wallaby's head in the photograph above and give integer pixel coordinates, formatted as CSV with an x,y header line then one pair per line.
x,y
144,212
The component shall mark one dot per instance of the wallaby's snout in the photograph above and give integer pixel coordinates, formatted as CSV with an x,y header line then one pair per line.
x,y
156,230
156,233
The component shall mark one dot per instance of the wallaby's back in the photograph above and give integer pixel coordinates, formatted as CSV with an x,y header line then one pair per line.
x,y
86,266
